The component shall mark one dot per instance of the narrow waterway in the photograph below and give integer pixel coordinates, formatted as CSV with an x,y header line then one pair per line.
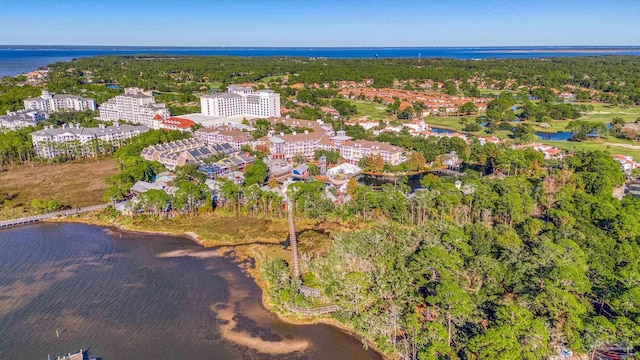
x,y
135,296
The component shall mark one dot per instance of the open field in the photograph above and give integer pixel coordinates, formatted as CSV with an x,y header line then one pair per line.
x,y
72,184
223,228
370,109
447,122
493,92
213,84
271,78
611,144
604,145
601,113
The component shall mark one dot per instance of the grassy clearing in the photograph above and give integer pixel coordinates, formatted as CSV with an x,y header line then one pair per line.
x,y
221,228
603,145
611,144
371,110
601,113
446,122
494,92
73,184
604,113
268,79
213,84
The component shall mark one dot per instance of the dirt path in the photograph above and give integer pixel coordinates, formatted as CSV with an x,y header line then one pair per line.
x,y
626,146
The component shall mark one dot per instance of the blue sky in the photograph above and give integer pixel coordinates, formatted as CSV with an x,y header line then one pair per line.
x,y
320,23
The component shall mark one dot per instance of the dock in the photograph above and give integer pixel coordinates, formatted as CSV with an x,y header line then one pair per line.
x,y
56,214
81,355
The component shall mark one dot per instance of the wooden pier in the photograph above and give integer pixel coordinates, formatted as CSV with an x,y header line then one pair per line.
x,y
62,213
295,256
311,312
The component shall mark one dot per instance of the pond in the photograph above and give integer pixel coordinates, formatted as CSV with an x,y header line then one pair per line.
x,y
556,136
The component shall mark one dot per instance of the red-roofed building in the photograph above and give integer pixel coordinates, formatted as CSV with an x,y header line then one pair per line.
x,y
626,162
176,123
404,105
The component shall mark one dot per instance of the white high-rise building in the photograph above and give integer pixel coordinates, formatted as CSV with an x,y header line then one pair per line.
x,y
135,107
50,103
239,100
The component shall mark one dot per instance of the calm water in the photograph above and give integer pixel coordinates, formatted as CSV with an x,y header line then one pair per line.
x,y
412,181
556,136
15,60
132,296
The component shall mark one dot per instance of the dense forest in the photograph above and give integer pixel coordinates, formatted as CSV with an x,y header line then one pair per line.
x,y
516,268
615,78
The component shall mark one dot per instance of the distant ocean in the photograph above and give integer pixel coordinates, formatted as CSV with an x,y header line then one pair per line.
x,y
15,60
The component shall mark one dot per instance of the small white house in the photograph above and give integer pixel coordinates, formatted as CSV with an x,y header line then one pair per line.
x,y
343,171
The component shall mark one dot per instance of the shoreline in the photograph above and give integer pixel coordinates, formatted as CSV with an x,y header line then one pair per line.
x,y
238,258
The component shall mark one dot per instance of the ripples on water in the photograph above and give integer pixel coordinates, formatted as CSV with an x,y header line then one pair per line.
x,y
132,296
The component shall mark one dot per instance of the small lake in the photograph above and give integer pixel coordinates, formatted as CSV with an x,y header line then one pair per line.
x,y
440,130
136,296
557,136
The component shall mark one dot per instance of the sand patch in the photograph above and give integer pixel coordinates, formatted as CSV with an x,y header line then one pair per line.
x,y
227,324
243,338
32,284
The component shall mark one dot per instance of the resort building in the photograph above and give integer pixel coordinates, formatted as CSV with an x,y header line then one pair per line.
x,y
76,140
51,103
354,151
241,101
21,119
136,107
286,146
318,137
224,135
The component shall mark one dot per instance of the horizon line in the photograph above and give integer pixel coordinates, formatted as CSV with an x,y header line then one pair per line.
x,y
320,47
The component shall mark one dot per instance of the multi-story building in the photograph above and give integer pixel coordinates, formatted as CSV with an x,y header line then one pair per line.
x,y
286,146
49,102
241,101
21,119
224,135
222,105
134,106
76,140
353,151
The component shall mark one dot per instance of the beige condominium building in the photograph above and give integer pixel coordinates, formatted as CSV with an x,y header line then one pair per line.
x,y
136,107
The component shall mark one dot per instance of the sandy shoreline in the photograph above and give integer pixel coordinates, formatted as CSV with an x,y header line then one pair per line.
x,y
223,248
